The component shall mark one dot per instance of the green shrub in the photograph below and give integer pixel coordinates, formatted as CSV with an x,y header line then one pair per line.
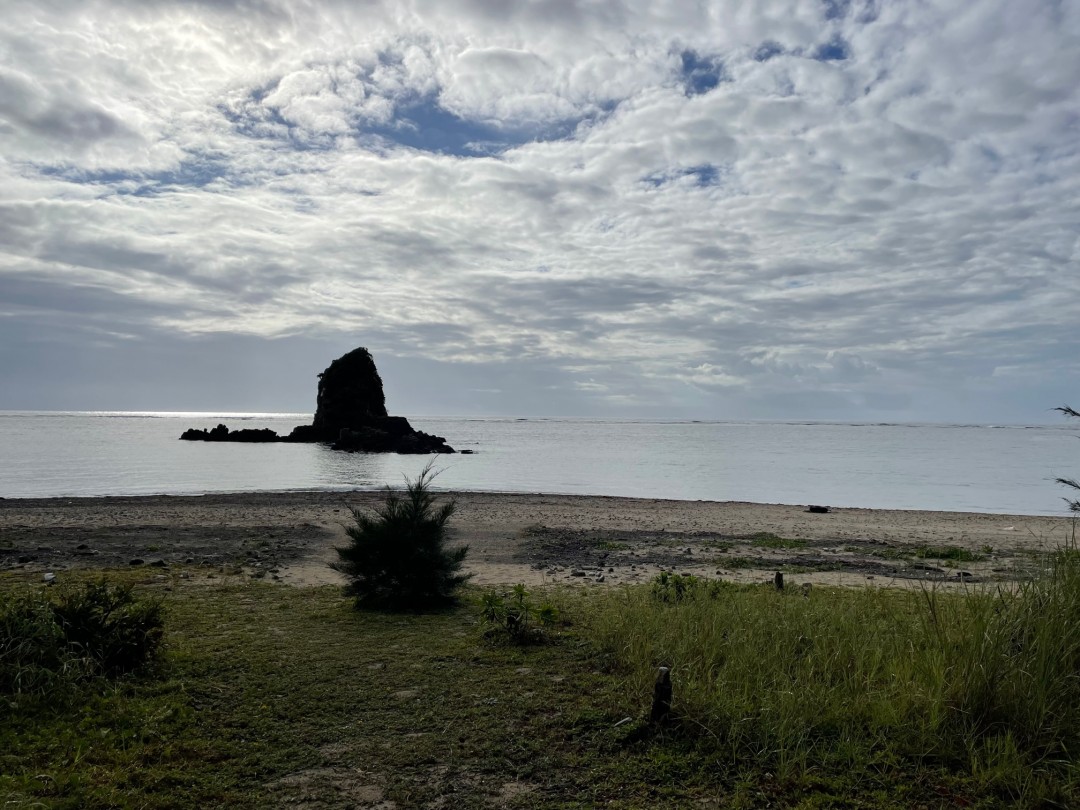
x,y
100,629
516,617
397,558
110,627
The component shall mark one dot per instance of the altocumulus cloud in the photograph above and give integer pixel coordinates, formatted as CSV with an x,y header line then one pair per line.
x,y
781,208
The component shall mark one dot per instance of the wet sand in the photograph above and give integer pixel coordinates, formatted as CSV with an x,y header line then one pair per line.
x,y
532,538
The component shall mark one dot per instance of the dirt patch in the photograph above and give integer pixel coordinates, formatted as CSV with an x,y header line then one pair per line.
x,y
258,550
607,556
328,787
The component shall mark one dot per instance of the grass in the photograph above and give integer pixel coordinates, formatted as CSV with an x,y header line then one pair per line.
x,y
769,540
612,545
983,686
272,695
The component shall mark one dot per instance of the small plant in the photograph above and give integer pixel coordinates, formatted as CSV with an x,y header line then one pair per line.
x,y
99,630
397,558
1072,483
517,616
668,587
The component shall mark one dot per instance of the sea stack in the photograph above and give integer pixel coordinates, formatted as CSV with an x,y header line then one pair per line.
x,y
350,414
350,393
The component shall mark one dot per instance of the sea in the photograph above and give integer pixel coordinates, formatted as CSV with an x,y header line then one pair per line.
x,y
1008,469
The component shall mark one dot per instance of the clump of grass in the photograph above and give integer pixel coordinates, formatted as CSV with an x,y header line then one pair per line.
x,y
770,540
100,629
986,683
669,587
954,553
612,545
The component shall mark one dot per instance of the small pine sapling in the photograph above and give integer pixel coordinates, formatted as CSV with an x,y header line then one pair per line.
x,y
397,558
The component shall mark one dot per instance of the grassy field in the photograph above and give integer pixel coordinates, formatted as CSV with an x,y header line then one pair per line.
x,y
269,695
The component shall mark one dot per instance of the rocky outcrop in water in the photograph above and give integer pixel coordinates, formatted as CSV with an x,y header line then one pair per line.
x,y
350,393
223,434
350,415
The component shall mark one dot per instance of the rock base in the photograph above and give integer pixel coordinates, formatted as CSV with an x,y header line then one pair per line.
x,y
390,434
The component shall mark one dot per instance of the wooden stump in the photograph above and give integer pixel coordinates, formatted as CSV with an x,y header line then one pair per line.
x,y
661,702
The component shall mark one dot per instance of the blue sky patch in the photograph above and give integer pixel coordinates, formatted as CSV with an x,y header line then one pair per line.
x,y
835,50
700,74
836,9
428,127
194,172
425,125
767,50
705,175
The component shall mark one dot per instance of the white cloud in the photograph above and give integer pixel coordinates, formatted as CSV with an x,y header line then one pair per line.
x,y
481,183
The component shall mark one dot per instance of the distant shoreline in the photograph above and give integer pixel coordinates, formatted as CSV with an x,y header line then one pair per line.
x,y
527,537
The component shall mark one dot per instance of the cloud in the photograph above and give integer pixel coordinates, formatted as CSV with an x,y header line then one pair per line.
x,y
841,205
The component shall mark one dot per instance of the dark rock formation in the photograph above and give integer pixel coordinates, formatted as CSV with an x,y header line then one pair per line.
x,y
350,415
223,434
350,393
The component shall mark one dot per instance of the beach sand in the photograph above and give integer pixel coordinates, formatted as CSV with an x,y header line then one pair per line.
x,y
531,538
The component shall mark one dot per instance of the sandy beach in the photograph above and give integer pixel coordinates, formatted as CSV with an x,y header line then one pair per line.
x,y
531,538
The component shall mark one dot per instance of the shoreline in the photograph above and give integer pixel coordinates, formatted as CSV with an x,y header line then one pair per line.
x,y
533,538
458,493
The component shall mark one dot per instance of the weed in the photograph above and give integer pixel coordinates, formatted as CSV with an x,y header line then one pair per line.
x,y
516,616
668,587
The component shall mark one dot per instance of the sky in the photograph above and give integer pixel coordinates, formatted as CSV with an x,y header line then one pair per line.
x,y
780,209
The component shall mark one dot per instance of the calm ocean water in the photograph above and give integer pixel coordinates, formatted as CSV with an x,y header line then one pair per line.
x,y
1006,469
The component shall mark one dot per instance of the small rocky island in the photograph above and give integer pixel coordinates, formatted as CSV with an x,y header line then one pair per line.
x,y
350,414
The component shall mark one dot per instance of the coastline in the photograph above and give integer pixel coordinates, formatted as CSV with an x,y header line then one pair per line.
x,y
532,538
